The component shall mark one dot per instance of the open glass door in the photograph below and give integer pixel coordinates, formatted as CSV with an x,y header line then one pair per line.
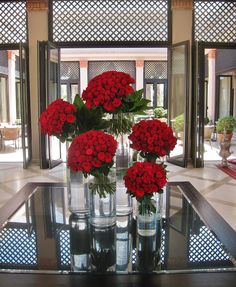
x,y
25,107
49,77
178,101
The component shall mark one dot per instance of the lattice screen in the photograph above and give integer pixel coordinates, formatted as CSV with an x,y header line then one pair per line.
x,y
69,71
204,247
112,20
97,67
155,69
64,248
17,248
13,27
215,21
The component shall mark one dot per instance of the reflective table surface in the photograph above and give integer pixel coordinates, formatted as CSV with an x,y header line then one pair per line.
x,y
42,235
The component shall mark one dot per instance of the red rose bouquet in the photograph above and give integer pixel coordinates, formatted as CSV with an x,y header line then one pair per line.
x,y
142,180
108,90
58,119
153,138
92,153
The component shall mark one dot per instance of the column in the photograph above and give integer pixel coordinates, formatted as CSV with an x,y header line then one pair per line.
x,y
139,74
211,84
37,31
83,76
12,86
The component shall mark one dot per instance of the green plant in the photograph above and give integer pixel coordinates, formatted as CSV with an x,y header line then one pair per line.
x,y
206,120
178,124
160,112
226,124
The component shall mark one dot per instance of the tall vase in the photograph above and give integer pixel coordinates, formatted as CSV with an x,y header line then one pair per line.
x,y
149,236
77,190
102,201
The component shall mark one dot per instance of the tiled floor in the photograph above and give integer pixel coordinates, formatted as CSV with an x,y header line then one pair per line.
x,y
217,187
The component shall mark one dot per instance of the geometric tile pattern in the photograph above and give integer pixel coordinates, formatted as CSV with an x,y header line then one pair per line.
x,y
155,69
69,71
205,247
215,21
17,247
97,67
13,27
64,248
112,20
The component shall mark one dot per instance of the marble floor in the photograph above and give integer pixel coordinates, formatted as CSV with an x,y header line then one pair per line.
x,y
216,186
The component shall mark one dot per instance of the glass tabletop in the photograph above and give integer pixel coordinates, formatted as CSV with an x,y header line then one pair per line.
x,y
43,235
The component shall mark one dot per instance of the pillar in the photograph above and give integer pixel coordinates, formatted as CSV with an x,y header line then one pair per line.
x,y
12,86
211,84
139,74
83,76
37,31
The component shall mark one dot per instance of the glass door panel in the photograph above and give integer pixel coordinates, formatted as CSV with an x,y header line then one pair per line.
x,y
160,95
178,101
149,93
225,89
25,108
49,59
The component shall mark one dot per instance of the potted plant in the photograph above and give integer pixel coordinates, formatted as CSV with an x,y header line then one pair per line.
x,y
160,113
225,127
178,126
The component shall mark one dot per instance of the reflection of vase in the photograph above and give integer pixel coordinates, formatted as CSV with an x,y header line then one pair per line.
x,y
124,202
77,190
124,243
102,201
149,236
122,157
103,249
79,243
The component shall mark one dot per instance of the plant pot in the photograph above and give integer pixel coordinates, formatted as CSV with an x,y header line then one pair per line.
x,y
222,137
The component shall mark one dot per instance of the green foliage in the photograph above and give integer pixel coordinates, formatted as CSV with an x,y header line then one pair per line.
x,y
147,204
206,120
135,103
178,124
88,119
160,112
121,123
226,124
102,185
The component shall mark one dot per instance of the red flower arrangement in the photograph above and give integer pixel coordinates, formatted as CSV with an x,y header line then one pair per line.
x,y
108,90
58,119
92,153
153,138
142,180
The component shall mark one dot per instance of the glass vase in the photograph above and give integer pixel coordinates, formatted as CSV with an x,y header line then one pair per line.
x,y
124,202
102,200
77,190
148,239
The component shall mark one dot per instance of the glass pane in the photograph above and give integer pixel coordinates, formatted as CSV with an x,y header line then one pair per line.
x,y
53,75
74,89
64,92
160,95
150,94
177,101
224,96
3,100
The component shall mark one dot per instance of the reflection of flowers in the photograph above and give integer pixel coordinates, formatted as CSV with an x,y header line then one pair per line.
x,y
58,119
153,138
102,259
92,153
142,180
107,90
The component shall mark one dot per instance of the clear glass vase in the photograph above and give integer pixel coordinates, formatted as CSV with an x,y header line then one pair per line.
x,y
148,238
77,190
124,202
102,201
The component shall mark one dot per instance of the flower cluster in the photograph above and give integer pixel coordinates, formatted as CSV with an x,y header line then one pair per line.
x,y
107,90
92,153
57,118
152,137
145,178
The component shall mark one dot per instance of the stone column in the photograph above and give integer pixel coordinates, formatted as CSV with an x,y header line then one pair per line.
x,y
211,84
139,74
37,31
83,76
12,86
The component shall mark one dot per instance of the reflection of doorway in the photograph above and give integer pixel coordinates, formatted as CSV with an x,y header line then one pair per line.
x,y
156,92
